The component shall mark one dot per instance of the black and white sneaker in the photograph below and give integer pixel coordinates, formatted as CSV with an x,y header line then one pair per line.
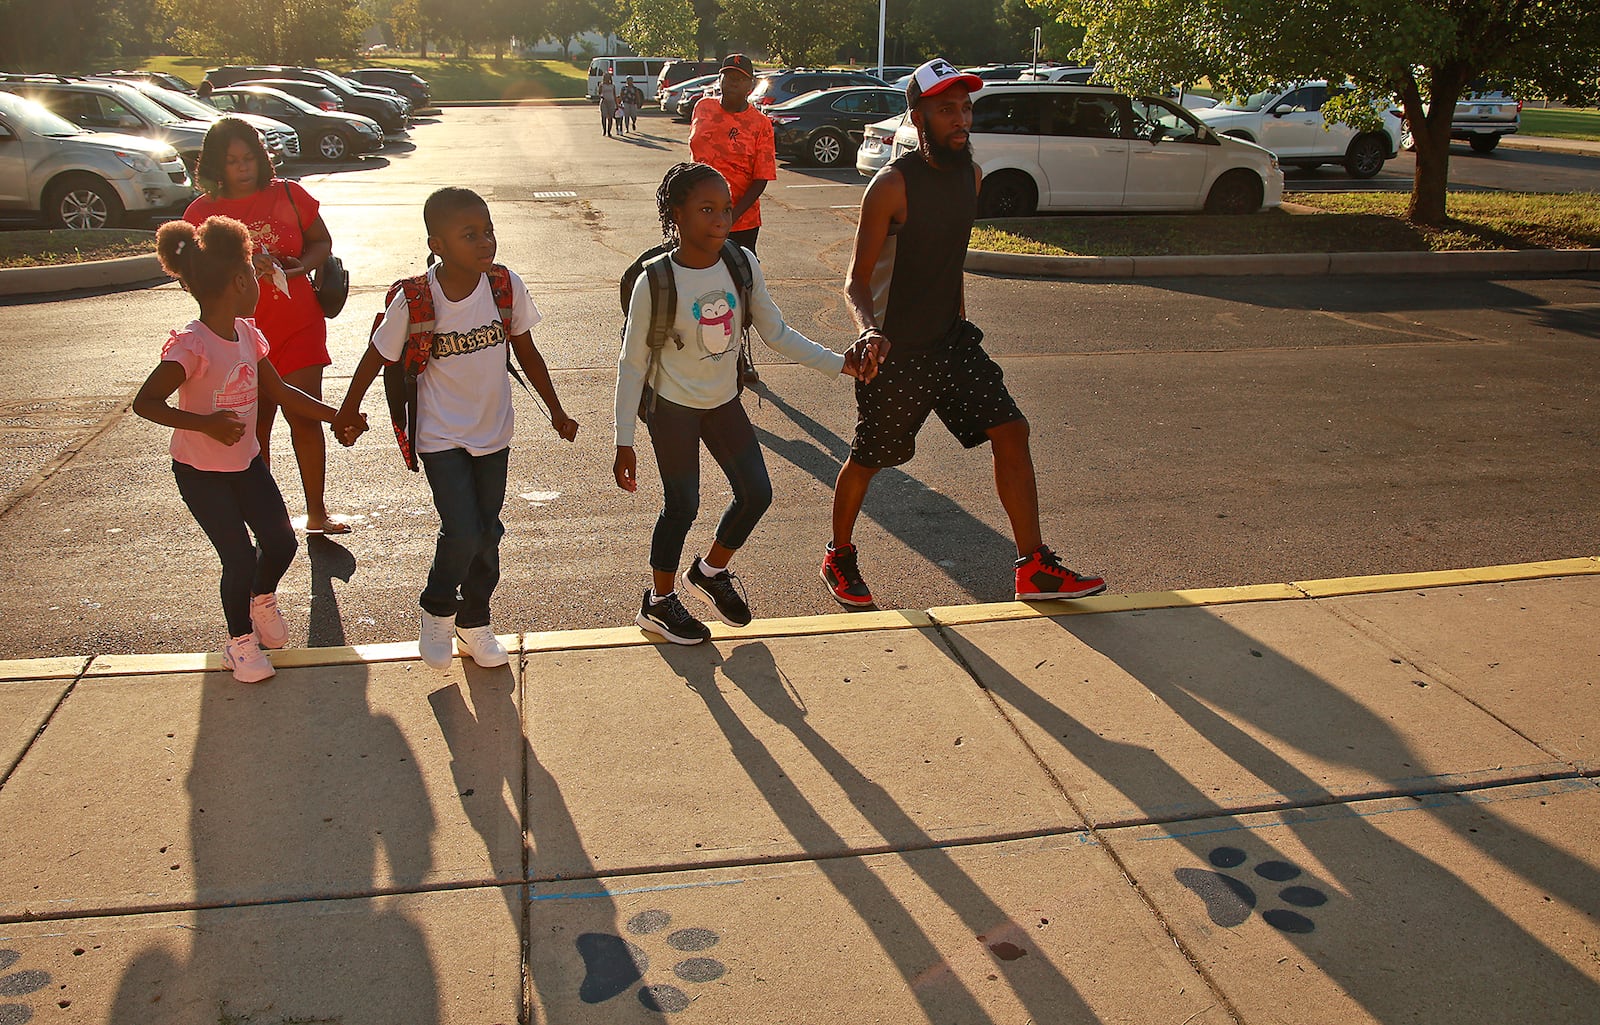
x,y
671,620
722,591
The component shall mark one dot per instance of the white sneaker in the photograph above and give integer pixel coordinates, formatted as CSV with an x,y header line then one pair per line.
x,y
483,646
271,630
244,656
434,646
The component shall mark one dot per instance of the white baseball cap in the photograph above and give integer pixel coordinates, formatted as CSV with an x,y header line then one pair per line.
x,y
935,77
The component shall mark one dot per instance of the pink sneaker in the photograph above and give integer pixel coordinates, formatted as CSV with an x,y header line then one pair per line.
x,y
268,621
244,656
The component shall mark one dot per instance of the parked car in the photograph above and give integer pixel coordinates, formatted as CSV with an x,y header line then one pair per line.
x,y
672,95
412,86
282,142
676,72
825,128
331,135
640,69
1288,121
74,178
877,144
1072,75
998,72
776,87
1045,146
316,95
106,106
390,111
160,78
889,72
1482,118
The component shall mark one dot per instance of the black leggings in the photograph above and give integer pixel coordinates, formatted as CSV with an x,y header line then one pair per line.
x,y
228,507
675,435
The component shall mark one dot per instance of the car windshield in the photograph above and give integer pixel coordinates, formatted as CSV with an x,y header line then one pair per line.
x,y
185,105
145,107
41,121
1253,102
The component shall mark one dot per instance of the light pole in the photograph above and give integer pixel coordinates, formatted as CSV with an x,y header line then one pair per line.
x,y
883,15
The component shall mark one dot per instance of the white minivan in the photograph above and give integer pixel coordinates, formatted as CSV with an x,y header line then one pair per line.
x,y
643,71
1047,146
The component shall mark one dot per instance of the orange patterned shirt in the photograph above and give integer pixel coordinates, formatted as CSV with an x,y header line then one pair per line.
x,y
740,146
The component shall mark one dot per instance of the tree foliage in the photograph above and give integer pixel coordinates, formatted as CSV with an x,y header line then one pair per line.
x,y
798,32
1423,52
269,31
663,28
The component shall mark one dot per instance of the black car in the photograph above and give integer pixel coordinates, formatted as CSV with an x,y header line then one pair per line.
x,y
777,86
413,87
311,92
160,78
825,128
331,135
388,110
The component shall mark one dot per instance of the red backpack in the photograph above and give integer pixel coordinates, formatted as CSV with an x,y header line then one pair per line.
x,y
400,377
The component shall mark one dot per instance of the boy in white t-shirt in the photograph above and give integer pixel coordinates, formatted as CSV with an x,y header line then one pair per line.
x,y
464,418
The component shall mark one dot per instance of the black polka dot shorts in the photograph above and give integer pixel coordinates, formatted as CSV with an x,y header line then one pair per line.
x,y
965,387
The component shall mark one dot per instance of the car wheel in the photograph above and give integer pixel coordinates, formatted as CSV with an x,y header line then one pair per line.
x,y
1237,192
1007,194
1365,157
83,201
333,146
1483,143
826,148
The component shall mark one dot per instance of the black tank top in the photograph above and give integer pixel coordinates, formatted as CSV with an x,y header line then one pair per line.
x,y
923,260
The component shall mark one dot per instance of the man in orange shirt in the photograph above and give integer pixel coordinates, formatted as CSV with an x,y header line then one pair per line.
x,y
736,139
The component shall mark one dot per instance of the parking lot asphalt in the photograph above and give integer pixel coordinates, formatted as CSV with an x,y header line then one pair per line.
x,y
1188,432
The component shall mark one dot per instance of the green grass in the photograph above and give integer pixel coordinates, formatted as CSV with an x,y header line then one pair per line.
x,y
44,248
450,79
1345,223
1562,123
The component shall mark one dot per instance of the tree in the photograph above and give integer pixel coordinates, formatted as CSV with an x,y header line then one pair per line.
x,y
269,31
48,35
663,28
1423,52
569,19
798,31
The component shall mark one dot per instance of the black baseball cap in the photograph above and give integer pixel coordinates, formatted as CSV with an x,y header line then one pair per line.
x,y
935,77
740,63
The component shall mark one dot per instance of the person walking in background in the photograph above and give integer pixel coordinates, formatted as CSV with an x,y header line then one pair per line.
x,y
236,176
217,365
632,102
608,103
905,287
736,139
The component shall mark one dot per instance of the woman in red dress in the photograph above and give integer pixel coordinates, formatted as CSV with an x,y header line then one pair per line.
x,y
290,237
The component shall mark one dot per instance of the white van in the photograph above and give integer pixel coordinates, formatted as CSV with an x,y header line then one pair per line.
x,y
643,71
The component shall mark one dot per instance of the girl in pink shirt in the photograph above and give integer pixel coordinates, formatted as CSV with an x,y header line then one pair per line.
x,y
217,366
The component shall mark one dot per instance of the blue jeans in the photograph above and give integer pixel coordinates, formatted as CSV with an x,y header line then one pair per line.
x,y
228,507
675,434
469,492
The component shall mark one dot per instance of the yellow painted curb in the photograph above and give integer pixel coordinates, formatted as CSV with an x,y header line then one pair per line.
x,y
62,668
999,612
809,626
1448,578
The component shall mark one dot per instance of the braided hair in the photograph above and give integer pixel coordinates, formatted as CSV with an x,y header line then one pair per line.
x,y
674,189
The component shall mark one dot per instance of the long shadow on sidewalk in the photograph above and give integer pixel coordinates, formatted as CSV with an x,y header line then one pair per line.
x,y
1039,987
1439,941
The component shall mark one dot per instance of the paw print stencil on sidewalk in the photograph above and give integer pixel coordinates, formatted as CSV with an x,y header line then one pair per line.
x,y
1229,899
17,984
612,964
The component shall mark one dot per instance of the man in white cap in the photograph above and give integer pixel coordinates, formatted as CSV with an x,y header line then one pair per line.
x,y
905,292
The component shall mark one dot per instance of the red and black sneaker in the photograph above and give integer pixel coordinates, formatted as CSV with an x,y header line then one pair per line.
x,y
844,581
1041,576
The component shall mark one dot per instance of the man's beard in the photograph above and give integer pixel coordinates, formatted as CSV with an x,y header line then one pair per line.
x,y
947,156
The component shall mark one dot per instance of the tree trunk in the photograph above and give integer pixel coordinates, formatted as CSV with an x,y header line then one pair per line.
x,y
1432,178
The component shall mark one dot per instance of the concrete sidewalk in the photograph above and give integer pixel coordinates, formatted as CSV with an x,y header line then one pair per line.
x,y
1367,800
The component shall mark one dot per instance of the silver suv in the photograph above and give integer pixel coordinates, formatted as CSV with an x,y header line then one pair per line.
x,y
79,179
103,106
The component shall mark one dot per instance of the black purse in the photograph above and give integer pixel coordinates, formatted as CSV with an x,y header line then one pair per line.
x,y
330,282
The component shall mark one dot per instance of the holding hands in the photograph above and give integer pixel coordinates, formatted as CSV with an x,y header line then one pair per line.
x,y
348,426
861,360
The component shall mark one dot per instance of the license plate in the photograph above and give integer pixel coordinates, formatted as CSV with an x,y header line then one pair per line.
x,y
1483,111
